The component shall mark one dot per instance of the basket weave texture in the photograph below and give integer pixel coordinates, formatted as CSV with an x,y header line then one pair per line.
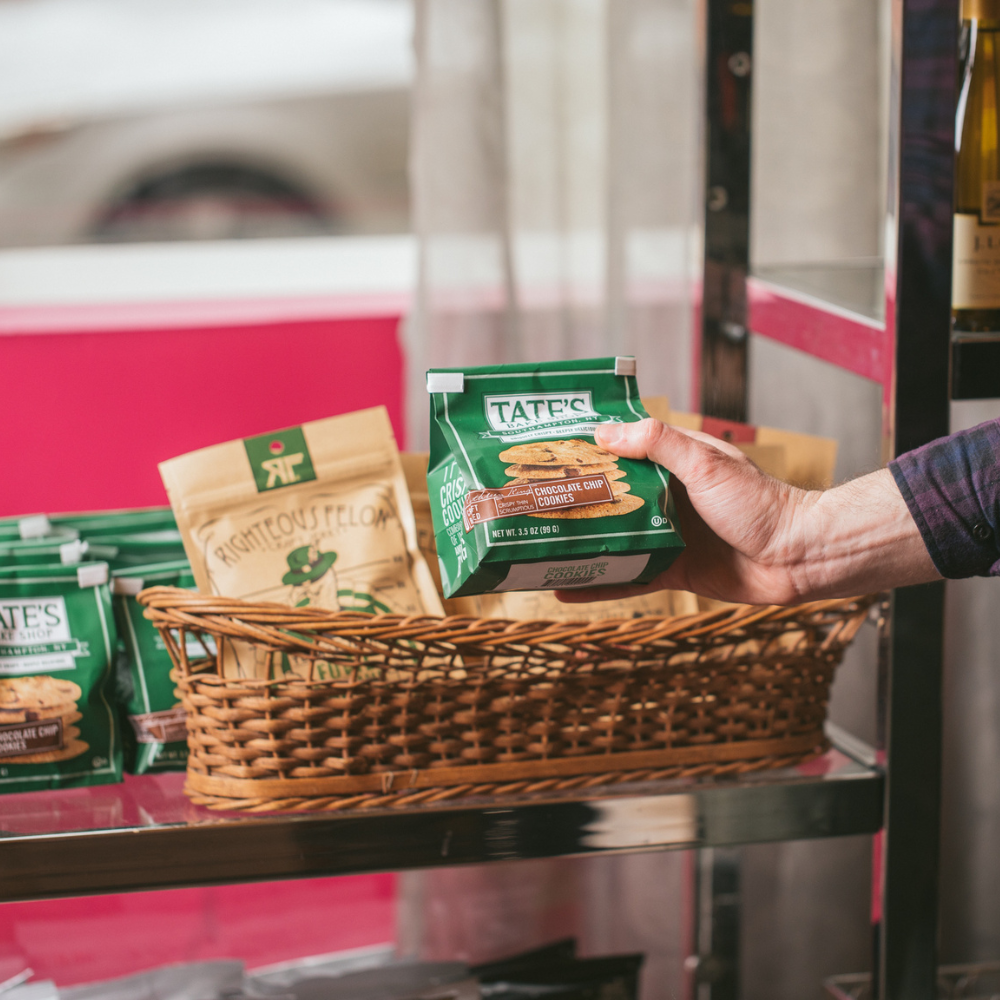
x,y
389,710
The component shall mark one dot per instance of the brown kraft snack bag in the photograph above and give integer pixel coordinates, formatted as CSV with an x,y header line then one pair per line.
x,y
312,515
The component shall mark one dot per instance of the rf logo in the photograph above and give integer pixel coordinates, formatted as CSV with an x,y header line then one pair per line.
x,y
279,459
281,471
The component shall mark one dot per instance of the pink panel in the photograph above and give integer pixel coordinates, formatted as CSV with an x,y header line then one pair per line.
x,y
87,416
824,331
83,940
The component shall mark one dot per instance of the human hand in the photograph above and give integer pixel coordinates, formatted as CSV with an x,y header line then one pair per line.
x,y
752,539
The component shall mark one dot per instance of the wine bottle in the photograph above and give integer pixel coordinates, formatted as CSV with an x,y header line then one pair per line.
x,y
975,286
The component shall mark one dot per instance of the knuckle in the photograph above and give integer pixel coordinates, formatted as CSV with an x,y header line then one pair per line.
x,y
652,434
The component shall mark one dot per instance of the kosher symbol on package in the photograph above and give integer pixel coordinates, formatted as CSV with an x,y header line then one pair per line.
x,y
522,498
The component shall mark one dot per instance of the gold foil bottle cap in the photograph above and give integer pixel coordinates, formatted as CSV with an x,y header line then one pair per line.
x,y
981,10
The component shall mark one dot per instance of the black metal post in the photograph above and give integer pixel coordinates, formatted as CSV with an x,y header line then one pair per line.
x,y
717,973
729,64
919,289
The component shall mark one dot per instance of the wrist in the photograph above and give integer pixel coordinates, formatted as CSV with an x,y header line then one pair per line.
x,y
859,538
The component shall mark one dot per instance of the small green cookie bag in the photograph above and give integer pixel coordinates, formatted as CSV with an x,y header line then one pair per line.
x,y
153,726
58,726
522,498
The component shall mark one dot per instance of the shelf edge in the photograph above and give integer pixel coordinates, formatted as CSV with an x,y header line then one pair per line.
x,y
831,333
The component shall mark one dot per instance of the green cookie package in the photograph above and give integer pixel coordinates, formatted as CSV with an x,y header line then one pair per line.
x,y
153,729
521,496
58,727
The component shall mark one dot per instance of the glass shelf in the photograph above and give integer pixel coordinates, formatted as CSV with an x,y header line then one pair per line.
x,y
144,834
834,311
856,286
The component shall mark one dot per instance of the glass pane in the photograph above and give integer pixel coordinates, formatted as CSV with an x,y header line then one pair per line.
x,y
820,107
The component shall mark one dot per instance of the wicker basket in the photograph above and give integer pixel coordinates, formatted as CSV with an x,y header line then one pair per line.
x,y
426,709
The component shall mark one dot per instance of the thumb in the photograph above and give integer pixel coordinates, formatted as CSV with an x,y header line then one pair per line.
x,y
682,452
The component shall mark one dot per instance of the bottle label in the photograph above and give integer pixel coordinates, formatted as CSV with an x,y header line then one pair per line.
x,y
975,275
990,209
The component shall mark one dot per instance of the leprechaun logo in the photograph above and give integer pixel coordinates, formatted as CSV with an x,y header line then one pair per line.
x,y
311,577
279,459
313,583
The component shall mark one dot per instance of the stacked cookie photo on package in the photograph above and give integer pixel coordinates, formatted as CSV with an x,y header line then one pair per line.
x,y
52,703
572,459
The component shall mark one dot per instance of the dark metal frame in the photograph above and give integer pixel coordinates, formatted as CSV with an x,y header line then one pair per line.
x,y
914,359
729,65
918,317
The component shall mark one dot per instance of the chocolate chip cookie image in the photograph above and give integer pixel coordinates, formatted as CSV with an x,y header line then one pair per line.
x,y
570,459
37,715
573,452
561,471
23,699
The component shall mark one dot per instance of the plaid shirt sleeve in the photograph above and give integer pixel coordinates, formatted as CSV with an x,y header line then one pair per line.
x,y
952,488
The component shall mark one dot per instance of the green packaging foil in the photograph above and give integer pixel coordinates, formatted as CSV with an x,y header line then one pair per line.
x,y
154,733
58,727
62,546
522,498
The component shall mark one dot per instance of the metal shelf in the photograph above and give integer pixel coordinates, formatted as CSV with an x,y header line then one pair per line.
x,y
834,311
144,834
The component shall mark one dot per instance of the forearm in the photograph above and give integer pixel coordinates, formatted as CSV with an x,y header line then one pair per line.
x,y
858,538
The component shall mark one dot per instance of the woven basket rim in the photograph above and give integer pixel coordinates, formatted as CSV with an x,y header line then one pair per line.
x,y
175,606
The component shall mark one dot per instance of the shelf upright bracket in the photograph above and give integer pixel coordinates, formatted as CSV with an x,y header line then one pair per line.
x,y
728,65
918,320
723,384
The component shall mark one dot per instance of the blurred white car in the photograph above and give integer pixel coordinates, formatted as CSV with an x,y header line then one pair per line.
x,y
128,120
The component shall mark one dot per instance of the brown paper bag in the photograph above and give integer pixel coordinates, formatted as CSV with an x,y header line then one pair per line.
x,y
800,459
315,515
768,455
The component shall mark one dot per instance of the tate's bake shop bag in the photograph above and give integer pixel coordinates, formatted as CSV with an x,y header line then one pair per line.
x,y
57,637
312,515
521,496
153,732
